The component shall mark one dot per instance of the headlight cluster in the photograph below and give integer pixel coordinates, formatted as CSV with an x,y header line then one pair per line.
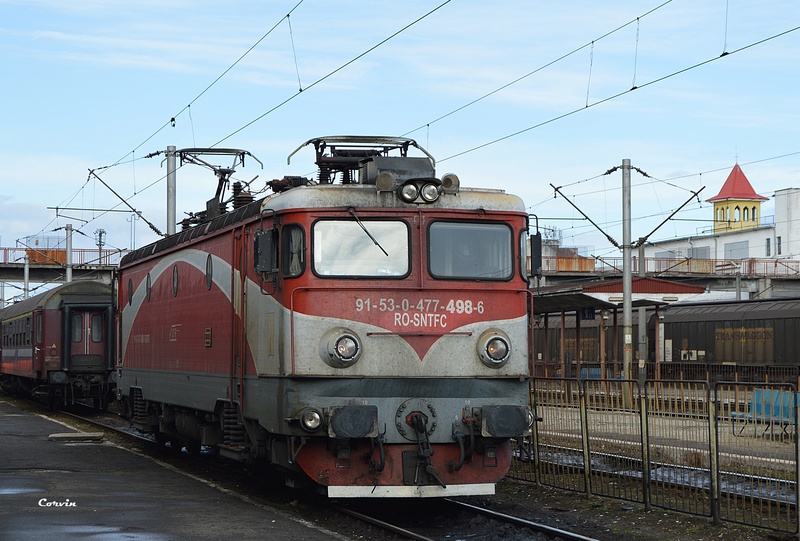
x,y
420,190
494,348
344,422
340,348
310,419
346,347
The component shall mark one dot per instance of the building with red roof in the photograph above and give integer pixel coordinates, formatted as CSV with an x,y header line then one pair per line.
x,y
737,206
741,238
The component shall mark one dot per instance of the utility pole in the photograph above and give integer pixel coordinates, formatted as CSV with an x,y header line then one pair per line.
x,y
26,277
627,278
68,227
171,191
100,241
643,349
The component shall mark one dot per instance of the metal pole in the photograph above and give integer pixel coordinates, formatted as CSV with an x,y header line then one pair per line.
x,y
68,227
603,317
738,267
643,350
26,277
627,280
171,190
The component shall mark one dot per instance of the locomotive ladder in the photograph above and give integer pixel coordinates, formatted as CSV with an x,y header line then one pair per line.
x,y
233,431
138,406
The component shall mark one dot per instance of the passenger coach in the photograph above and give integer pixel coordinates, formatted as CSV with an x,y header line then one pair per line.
x,y
59,345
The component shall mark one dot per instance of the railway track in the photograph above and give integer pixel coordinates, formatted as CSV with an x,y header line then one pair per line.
x,y
447,519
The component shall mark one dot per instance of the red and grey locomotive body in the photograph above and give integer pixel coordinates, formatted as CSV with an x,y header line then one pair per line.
x,y
372,335
59,345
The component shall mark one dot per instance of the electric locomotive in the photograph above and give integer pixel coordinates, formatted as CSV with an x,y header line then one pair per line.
x,y
368,330
59,345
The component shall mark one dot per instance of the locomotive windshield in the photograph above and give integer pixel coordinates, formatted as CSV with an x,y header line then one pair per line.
x,y
342,248
475,251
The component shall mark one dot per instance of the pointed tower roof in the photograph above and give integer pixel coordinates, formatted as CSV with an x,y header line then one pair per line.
x,y
737,187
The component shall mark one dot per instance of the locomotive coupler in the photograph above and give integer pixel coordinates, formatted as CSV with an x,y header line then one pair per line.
x,y
418,421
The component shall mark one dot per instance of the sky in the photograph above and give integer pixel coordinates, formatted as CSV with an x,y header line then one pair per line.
x,y
514,95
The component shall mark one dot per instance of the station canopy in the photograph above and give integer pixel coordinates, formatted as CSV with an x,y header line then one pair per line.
x,y
608,295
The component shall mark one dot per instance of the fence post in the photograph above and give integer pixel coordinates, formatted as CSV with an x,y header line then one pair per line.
x,y
713,440
645,446
534,449
587,458
796,459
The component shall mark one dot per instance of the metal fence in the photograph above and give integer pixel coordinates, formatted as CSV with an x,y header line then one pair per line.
x,y
57,256
726,451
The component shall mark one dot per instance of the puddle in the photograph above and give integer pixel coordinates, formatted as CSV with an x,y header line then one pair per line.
x,y
11,491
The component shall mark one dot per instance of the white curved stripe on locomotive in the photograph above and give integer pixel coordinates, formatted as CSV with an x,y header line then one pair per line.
x,y
195,258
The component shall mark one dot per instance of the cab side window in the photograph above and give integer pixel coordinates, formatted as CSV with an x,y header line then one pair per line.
x,y
293,251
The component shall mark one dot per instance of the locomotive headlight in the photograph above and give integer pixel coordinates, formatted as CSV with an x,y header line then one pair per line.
x,y
430,192
310,419
494,348
420,190
409,192
497,349
346,347
340,348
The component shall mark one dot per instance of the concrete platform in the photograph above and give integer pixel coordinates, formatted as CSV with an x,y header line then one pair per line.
x,y
78,490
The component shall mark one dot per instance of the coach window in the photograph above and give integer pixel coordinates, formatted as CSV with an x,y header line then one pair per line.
x,y
97,328
470,251
365,248
77,328
38,322
293,258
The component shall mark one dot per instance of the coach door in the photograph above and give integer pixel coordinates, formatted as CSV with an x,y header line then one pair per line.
x,y
87,340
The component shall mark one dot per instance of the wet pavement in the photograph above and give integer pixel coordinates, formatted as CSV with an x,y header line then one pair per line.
x,y
66,490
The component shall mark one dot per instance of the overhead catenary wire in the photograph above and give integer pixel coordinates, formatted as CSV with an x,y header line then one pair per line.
x,y
172,120
333,72
537,70
619,94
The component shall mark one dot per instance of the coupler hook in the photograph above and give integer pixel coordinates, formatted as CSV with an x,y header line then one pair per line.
x,y
418,422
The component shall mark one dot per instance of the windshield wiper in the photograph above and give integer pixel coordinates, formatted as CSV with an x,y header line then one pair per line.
x,y
352,211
